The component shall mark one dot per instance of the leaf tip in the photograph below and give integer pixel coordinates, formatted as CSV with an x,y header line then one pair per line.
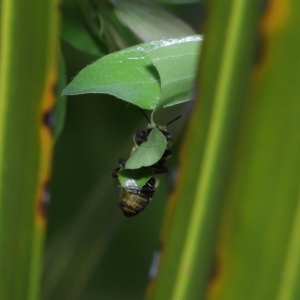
x,y
65,91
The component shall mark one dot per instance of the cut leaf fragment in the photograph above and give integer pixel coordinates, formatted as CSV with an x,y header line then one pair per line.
x,y
137,177
149,152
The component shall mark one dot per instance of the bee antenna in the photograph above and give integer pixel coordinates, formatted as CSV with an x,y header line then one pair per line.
x,y
145,116
173,120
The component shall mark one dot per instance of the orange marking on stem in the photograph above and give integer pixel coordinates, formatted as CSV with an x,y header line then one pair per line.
x,y
275,16
46,146
274,19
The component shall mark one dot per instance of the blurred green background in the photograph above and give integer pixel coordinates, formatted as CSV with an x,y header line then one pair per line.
x,y
92,250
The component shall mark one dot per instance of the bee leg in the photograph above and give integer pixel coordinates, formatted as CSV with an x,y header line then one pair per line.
x,y
167,135
149,188
114,173
160,169
122,163
167,153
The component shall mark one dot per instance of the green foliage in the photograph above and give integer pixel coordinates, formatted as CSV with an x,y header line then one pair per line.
x,y
91,250
88,242
232,229
28,52
76,20
150,75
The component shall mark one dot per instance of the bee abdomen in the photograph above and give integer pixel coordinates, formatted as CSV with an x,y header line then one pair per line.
x,y
133,204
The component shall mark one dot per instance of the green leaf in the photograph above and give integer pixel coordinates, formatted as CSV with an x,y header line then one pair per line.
x,y
116,35
132,75
28,73
176,71
232,228
77,32
137,177
149,21
149,152
125,74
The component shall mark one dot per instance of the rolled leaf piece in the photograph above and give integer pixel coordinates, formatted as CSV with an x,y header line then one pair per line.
x,y
149,152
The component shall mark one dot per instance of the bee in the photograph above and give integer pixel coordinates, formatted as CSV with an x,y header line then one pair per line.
x,y
138,185
134,198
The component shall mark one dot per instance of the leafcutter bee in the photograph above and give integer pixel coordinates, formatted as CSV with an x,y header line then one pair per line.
x,y
136,179
138,187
